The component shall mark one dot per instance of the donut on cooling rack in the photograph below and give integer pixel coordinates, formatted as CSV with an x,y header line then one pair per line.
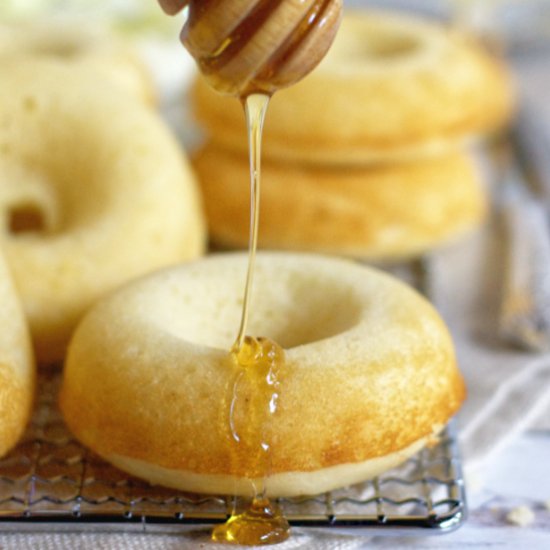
x,y
102,53
388,212
392,87
369,376
17,376
93,191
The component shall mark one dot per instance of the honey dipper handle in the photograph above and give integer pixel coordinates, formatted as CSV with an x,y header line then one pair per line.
x,y
257,46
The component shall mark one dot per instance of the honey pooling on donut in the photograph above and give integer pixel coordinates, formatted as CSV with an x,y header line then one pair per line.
x,y
250,46
251,403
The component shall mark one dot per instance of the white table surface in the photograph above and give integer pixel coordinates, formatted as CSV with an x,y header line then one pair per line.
x,y
520,476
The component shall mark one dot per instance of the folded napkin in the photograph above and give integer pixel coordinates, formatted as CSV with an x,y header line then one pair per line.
x,y
509,390
300,540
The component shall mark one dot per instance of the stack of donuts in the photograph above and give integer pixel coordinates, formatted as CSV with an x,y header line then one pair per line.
x,y
366,157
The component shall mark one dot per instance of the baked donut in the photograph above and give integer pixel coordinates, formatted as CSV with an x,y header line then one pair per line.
x,y
100,51
17,376
147,373
371,212
93,191
391,87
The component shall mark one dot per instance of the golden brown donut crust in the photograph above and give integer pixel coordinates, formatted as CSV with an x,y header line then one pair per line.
x,y
381,378
391,87
17,375
383,212
16,396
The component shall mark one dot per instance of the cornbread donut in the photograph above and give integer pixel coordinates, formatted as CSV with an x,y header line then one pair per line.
x,y
147,372
17,376
103,53
372,212
93,191
391,87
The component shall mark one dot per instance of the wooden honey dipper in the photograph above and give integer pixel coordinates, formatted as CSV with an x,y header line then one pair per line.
x,y
257,46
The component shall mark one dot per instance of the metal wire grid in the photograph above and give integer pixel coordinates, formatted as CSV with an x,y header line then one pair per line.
x,y
51,480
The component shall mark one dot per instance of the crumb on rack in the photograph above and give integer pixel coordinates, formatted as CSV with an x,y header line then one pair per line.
x,y
522,516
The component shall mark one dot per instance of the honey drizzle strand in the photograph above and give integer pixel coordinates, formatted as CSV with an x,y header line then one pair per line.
x,y
255,109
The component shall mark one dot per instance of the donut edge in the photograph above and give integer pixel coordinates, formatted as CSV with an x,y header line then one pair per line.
x,y
288,484
16,400
304,207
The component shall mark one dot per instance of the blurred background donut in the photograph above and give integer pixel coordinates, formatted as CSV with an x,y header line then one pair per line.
x,y
17,372
100,51
94,190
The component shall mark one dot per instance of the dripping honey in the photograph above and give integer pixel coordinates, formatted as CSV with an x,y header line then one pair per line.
x,y
254,391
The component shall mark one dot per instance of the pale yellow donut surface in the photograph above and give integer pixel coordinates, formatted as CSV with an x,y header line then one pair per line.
x,y
101,52
375,212
392,87
94,190
370,373
17,376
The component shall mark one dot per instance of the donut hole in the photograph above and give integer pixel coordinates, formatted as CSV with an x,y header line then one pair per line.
x,y
26,218
28,202
305,309
62,49
383,46
293,308
59,41
376,44
392,46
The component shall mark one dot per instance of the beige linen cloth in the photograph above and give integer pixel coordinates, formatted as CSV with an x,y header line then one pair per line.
x,y
509,390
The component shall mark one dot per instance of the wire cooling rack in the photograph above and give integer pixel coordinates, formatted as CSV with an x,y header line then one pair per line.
x,y
49,481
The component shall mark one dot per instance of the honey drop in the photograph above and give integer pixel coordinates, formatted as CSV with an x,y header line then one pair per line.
x,y
261,523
